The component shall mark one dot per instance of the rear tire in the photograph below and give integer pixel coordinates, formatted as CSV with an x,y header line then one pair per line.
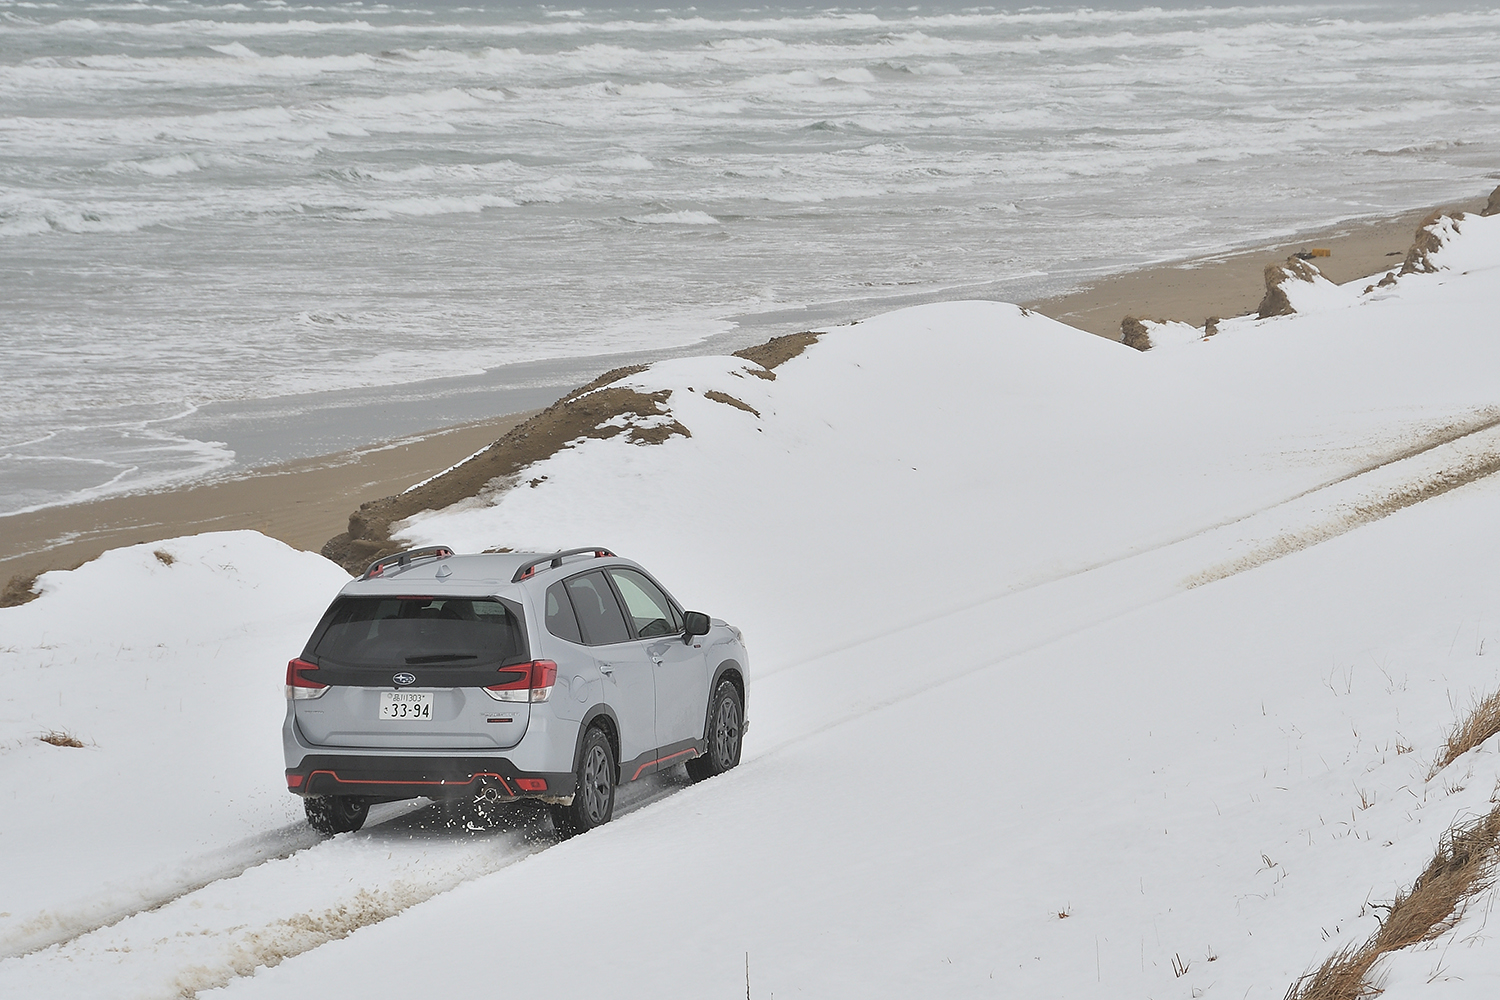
x,y
594,797
726,732
333,814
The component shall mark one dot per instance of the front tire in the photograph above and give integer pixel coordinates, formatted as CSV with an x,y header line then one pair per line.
x,y
333,814
726,733
594,798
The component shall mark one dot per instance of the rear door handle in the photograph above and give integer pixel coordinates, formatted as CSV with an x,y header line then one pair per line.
x,y
606,669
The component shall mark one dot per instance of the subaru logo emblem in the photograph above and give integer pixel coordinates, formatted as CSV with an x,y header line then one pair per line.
x,y
401,680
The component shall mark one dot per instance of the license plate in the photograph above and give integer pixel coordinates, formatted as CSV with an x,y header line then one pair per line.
x,y
406,706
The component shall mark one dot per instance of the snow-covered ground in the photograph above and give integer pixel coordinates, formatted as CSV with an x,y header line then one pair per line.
x,y
1078,671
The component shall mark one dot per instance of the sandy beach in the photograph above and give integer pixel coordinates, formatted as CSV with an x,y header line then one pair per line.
x,y
1192,291
304,503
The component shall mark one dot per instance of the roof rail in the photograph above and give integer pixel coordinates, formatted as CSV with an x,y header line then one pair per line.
x,y
556,559
377,568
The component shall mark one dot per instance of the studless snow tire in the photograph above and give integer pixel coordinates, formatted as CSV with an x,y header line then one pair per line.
x,y
333,814
726,728
594,800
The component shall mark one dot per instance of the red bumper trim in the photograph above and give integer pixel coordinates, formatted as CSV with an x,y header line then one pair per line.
x,y
440,783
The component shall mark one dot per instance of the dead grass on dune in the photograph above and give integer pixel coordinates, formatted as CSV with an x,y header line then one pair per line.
x,y
59,738
1342,977
1462,867
1482,722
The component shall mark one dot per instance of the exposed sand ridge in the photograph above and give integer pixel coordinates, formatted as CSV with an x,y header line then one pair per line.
x,y
600,409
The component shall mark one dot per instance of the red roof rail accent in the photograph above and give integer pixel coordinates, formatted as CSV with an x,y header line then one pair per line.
x,y
556,559
403,559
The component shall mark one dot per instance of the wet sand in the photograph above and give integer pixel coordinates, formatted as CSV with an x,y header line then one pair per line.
x,y
306,502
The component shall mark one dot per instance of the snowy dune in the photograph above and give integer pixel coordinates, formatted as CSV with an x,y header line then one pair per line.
x,y
1074,668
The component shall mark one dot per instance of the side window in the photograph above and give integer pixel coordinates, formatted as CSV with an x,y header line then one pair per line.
x,y
650,612
598,612
561,621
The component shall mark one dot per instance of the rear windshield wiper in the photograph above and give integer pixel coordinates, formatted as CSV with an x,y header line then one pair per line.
x,y
441,658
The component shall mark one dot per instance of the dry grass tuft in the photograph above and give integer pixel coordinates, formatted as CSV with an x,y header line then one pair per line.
x,y
58,738
1462,867
1482,722
1341,977
164,557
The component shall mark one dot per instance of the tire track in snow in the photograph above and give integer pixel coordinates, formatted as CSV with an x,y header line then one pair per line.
x,y
1486,421
1372,496
231,861
280,908
994,629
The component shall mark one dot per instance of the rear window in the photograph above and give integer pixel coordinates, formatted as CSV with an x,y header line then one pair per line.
x,y
417,631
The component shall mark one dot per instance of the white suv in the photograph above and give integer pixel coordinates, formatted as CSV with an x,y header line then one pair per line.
x,y
477,680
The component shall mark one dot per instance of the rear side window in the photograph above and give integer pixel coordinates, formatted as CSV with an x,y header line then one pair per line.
x,y
411,631
561,621
651,613
598,612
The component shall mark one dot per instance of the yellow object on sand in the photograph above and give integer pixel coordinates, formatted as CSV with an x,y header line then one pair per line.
x,y
1321,252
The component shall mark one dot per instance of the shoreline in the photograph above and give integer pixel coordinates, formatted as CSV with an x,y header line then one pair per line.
x,y
307,501
303,502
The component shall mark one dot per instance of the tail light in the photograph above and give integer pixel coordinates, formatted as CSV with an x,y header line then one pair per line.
x,y
300,688
525,682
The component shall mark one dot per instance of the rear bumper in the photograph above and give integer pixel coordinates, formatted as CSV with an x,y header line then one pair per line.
x,y
391,778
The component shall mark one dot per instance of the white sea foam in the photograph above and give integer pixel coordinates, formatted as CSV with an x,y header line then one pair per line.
x,y
684,218
436,205
166,166
236,49
633,161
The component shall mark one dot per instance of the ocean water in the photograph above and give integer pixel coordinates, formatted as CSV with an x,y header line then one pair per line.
x,y
245,231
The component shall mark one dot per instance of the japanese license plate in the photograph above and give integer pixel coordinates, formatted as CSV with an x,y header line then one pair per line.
x,y
406,706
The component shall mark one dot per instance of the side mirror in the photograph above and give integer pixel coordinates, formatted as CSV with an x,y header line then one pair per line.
x,y
695,623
